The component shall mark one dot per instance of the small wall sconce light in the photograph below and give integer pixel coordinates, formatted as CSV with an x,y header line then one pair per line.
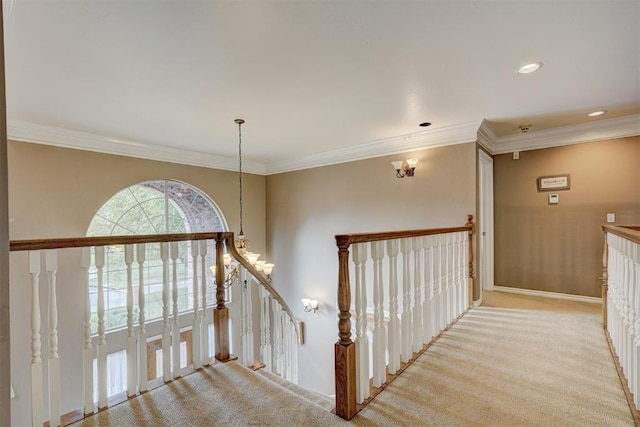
x,y
310,305
405,167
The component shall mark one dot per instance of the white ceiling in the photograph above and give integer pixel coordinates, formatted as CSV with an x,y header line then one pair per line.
x,y
316,81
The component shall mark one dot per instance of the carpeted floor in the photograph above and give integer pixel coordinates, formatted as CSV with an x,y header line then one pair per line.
x,y
514,361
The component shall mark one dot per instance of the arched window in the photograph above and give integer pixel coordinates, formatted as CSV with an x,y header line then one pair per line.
x,y
152,207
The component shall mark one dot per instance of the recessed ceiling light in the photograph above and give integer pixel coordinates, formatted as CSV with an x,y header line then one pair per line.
x,y
530,68
425,124
597,113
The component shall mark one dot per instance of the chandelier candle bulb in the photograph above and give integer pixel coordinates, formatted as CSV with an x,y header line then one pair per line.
x,y
267,268
252,258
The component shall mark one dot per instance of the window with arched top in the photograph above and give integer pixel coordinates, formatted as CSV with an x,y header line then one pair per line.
x,y
151,207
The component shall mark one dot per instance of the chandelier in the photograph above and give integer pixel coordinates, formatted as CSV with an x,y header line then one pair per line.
x,y
232,272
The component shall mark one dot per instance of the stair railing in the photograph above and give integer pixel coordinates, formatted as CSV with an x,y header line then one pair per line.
x,y
429,286
621,303
278,331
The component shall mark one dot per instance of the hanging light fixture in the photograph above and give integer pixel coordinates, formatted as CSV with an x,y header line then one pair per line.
x,y
242,244
232,274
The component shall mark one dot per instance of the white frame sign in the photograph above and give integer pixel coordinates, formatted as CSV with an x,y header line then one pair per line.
x,y
555,182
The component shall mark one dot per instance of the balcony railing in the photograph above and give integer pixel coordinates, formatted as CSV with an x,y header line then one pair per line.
x,y
393,324
62,376
621,303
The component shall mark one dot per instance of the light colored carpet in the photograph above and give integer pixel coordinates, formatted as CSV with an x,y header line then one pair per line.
x,y
515,361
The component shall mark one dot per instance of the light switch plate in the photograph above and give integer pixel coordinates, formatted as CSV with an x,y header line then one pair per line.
x,y
611,217
554,199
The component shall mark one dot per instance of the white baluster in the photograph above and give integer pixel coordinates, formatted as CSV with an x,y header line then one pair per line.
x,y
131,337
266,351
378,335
455,289
204,320
195,328
636,280
250,352
277,339
142,332
394,323
36,345
102,341
359,254
407,311
87,351
167,375
426,291
447,280
440,284
462,279
244,321
432,289
176,323
51,262
417,294
295,351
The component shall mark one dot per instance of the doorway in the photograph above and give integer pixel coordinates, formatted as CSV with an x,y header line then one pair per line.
x,y
485,223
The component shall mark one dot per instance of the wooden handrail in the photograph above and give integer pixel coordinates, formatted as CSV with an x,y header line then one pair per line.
x,y
231,248
83,242
349,239
630,232
80,242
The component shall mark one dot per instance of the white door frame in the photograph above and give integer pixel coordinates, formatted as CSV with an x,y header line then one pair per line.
x,y
486,227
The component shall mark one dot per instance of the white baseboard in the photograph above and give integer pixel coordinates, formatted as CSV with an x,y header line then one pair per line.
x,y
545,294
477,303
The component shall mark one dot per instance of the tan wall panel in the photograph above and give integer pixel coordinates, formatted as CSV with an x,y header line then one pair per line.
x,y
55,192
306,209
558,248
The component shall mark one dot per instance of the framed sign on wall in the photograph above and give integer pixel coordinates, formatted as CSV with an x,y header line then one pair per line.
x,y
554,182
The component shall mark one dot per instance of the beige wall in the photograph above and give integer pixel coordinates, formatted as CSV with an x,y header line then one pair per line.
x,y
54,192
558,248
306,209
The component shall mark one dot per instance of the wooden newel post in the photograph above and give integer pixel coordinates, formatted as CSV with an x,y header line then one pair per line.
x,y
345,349
221,312
470,225
605,279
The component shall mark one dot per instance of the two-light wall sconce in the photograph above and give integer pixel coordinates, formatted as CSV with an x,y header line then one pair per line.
x,y
405,167
310,305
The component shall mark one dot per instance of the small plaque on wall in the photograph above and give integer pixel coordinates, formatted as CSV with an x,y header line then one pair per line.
x,y
555,182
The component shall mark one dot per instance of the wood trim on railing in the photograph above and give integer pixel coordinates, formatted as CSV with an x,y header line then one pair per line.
x,y
629,232
350,239
83,242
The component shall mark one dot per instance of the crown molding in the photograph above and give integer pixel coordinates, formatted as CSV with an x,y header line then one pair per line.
x,y
66,138
487,137
621,127
439,137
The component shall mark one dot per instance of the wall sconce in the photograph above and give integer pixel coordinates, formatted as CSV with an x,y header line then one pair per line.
x,y
405,167
310,305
